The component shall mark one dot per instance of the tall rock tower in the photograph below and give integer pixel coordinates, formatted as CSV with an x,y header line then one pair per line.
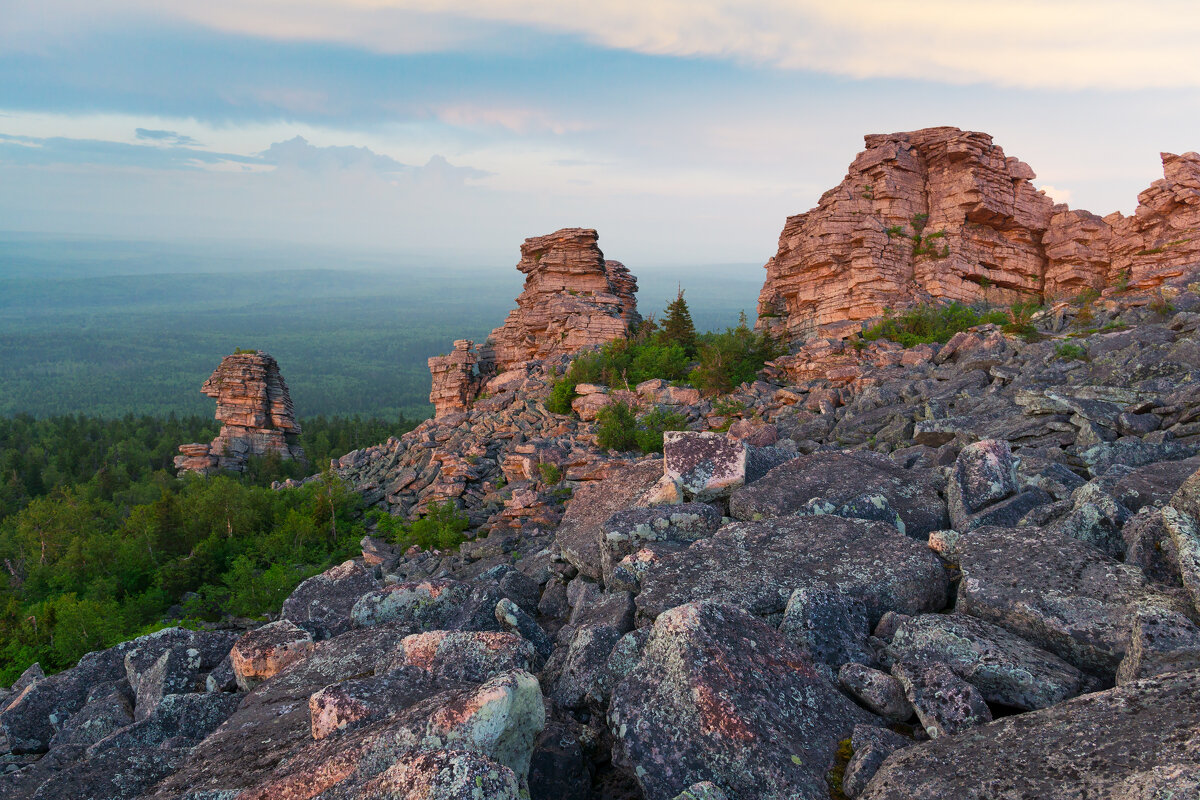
x,y
257,415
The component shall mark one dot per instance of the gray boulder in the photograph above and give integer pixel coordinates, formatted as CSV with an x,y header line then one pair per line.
x,y
1161,641
945,703
630,529
719,696
983,474
845,480
1152,484
831,626
1111,744
108,709
322,604
870,746
183,718
1056,592
878,691
1004,668
1184,530
758,565
1096,517
579,534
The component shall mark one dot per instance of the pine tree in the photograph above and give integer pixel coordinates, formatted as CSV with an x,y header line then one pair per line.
x,y
677,327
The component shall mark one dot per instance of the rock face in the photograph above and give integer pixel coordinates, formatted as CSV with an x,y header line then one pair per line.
x,y
256,413
943,214
573,298
1135,741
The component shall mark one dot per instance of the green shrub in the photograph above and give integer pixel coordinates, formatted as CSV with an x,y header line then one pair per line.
x,y
440,528
616,427
925,324
1071,351
731,358
1162,306
620,364
550,473
1020,320
650,429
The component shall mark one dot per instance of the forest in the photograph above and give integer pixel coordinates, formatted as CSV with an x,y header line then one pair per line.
x,y
99,542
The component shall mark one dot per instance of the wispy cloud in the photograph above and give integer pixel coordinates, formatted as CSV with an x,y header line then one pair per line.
x,y
165,137
1028,43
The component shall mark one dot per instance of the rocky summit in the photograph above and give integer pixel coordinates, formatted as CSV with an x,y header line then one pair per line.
x,y
942,213
255,412
962,569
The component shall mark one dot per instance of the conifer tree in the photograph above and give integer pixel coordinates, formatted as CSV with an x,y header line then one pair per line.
x,y
677,327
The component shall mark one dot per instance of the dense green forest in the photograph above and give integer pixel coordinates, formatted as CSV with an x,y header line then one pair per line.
x,y
99,541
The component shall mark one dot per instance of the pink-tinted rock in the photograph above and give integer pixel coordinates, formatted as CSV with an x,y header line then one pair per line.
x,y
472,656
708,465
255,409
264,652
455,382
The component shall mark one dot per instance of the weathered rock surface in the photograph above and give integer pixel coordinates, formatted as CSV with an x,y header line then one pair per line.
x,y
256,413
322,604
838,478
1115,743
467,656
582,529
757,566
455,380
943,214
1005,668
264,652
878,691
945,703
719,696
832,627
871,746
1161,641
1058,593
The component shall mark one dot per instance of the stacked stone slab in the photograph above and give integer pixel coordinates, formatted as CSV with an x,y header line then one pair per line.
x,y
256,410
573,298
943,214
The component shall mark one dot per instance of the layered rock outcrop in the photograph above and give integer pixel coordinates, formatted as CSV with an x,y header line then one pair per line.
x,y
256,410
573,298
943,214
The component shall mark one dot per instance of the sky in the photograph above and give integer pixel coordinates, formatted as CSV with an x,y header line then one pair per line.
x,y
685,131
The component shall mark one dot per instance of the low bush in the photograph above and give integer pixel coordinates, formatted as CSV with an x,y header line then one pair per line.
x,y
550,473
731,358
1071,351
441,528
925,324
619,428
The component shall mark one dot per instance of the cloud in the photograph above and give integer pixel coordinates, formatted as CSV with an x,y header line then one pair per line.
x,y
1056,194
165,137
1027,43
514,120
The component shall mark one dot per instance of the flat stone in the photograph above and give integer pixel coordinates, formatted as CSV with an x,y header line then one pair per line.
x,y
838,478
1056,592
1005,668
468,656
707,465
449,774
758,565
1111,744
719,696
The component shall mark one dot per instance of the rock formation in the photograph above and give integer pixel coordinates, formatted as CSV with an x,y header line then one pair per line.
x,y
257,415
943,214
573,298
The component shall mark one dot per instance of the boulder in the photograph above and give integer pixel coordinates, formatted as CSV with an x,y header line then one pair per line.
x,y
1058,593
870,746
1152,484
1161,641
179,718
758,565
1005,668
468,656
830,626
322,604
354,702
514,620
1115,744
585,659
719,696
443,775
707,465
878,691
944,702
1096,517
628,530
177,671
123,773
108,709
983,474
1184,531
837,478
580,532
266,651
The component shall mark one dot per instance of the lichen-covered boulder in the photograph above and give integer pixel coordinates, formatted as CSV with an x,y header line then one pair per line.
x,y
1004,667
944,702
264,652
1184,530
468,656
585,660
1054,591
983,474
845,480
831,626
1096,517
177,717
514,619
426,605
707,465
353,702
878,691
177,671
719,696
1161,641
628,530
443,775
322,604
758,565
870,746
108,709
123,773
1111,744
579,534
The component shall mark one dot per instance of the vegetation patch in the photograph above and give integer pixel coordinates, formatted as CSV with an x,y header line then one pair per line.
x,y
1071,351
619,428
440,528
926,324
837,774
